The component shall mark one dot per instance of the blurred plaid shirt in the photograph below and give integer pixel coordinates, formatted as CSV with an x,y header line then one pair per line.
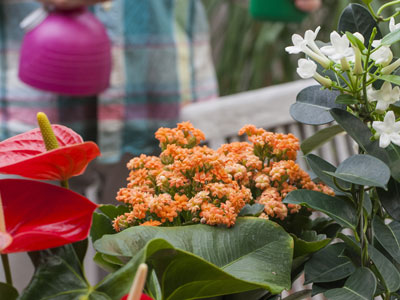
x,y
161,60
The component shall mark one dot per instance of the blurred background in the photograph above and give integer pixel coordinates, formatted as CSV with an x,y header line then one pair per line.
x,y
249,54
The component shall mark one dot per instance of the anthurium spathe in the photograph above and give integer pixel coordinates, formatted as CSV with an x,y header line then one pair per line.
x,y
26,155
39,215
143,297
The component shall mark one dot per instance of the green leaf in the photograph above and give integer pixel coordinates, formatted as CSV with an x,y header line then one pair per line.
x,y
363,169
356,18
252,210
360,286
391,38
105,264
362,135
350,242
58,275
175,271
339,209
346,99
309,243
313,104
112,211
391,78
367,1
390,199
264,258
387,270
101,225
8,292
388,236
320,167
320,138
328,265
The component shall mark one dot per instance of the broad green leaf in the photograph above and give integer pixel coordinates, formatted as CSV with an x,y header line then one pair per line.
x,y
391,38
339,209
101,225
356,18
299,295
387,270
320,167
105,264
346,99
328,264
313,104
264,258
362,135
391,78
175,271
252,210
390,199
8,292
388,236
309,243
361,285
363,169
320,138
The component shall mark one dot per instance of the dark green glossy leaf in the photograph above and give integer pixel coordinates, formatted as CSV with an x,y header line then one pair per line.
x,y
339,209
112,211
350,242
320,138
313,104
390,199
264,258
252,210
387,270
106,265
58,275
101,225
309,243
388,236
320,167
328,265
346,99
363,169
8,292
361,285
362,135
356,18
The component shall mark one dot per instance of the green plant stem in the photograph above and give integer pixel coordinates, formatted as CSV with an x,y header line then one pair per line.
x,y
371,10
6,267
385,6
392,16
64,183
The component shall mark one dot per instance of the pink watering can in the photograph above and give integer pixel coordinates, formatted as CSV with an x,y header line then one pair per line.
x,y
65,52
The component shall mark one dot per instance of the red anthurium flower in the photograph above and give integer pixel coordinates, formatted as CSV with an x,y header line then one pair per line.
x,y
25,155
143,297
39,215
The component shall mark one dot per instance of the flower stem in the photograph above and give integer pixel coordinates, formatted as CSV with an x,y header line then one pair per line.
x,y
386,5
6,267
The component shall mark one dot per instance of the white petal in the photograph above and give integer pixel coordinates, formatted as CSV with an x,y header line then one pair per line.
x,y
379,126
297,39
307,68
381,106
293,50
359,36
389,118
395,138
376,43
392,26
384,141
328,50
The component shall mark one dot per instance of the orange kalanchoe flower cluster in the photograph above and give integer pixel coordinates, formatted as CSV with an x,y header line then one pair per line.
x,y
190,184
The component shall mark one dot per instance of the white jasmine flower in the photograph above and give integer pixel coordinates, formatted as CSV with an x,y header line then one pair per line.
x,y
390,68
339,49
382,56
385,96
392,25
388,130
358,68
308,47
307,69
